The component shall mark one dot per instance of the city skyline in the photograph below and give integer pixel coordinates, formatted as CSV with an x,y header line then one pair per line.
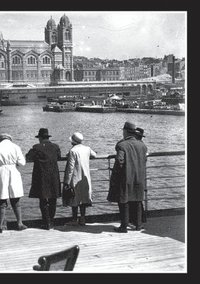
x,y
107,35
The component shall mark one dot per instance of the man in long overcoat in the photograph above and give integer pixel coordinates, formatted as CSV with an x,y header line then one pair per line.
x,y
127,182
45,177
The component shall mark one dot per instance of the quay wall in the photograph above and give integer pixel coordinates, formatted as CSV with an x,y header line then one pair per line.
x,y
151,111
26,95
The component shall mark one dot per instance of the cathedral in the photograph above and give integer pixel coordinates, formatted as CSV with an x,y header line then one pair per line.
x,y
45,62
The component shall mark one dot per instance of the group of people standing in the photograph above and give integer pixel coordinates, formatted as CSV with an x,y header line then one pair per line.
x,y
127,182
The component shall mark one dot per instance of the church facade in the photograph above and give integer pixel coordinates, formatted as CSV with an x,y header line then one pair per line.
x,y
39,62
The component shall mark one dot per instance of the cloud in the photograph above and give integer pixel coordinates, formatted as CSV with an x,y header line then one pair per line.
x,y
110,34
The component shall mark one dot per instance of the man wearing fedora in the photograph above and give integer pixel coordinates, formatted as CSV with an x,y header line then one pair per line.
x,y
45,177
127,182
77,176
139,133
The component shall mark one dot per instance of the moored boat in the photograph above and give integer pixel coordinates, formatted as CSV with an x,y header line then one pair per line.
x,y
56,107
96,108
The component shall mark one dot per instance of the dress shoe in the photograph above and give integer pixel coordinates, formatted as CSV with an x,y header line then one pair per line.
x,y
82,221
48,226
120,230
131,226
139,228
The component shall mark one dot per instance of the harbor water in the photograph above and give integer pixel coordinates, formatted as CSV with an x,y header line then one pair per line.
x,y
101,131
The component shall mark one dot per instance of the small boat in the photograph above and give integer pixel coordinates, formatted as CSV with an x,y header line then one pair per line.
x,y
64,99
56,107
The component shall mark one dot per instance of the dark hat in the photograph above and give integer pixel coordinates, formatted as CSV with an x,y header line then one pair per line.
x,y
43,133
130,127
139,131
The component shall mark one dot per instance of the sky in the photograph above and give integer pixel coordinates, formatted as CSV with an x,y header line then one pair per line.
x,y
117,35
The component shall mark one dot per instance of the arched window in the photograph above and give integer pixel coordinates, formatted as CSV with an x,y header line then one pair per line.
x,y
16,60
67,35
2,61
46,60
54,38
31,60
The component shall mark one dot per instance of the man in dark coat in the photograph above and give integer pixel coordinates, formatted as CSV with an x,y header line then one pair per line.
x,y
127,182
45,177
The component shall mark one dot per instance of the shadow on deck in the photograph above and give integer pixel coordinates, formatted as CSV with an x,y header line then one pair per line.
x,y
168,226
171,223
159,248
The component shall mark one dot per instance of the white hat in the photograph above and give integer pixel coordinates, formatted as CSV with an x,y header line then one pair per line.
x,y
5,136
76,138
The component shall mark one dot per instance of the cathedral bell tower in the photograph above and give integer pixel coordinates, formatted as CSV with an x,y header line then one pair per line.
x,y
51,34
64,43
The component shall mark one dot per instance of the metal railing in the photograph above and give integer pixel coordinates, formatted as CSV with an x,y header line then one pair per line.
x,y
165,186
158,175
170,173
164,170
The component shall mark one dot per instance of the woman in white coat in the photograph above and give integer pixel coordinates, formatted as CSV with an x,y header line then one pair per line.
x,y
77,176
11,186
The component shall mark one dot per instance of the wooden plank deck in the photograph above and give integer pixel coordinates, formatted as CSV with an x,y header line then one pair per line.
x,y
160,248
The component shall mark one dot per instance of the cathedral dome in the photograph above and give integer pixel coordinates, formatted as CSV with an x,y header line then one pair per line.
x,y
51,24
64,21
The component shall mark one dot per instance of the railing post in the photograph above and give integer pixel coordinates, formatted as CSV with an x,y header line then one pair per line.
x,y
145,192
109,168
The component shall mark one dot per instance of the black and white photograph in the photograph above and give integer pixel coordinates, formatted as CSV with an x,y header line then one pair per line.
x,y
93,127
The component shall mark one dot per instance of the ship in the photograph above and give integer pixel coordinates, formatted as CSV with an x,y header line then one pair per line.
x,y
96,108
57,107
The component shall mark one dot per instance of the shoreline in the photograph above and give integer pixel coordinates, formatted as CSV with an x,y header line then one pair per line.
x,y
152,111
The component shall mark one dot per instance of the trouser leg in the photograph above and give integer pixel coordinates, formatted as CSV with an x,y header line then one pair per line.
x,y
135,212
75,213
124,214
52,208
82,212
132,212
139,208
3,205
44,207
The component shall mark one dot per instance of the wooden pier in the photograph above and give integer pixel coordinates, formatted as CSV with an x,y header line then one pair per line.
x,y
160,248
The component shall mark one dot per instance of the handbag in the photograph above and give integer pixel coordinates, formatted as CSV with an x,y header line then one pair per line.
x,y
68,192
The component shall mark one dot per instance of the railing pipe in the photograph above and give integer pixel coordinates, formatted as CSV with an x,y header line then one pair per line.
x,y
149,155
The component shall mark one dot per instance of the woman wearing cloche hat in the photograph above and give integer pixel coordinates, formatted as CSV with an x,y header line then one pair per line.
x,y
77,176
